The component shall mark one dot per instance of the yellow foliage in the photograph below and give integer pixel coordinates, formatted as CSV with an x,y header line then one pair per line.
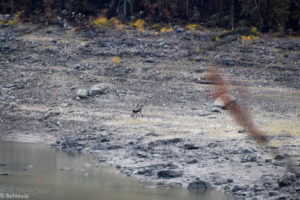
x,y
194,27
16,19
171,29
156,26
254,29
166,30
69,35
116,60
163,29
117,23
155,33
13,22
244,38
140,25
18,14
120,27
197,51
224,31
101,22
217,39
2,22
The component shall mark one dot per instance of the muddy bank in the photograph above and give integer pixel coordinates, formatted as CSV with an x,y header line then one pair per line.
x,y
61,88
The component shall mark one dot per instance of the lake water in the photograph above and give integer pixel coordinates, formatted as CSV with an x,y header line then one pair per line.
x,y
41,173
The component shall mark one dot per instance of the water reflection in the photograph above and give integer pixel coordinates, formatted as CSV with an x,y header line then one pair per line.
x,y
42,173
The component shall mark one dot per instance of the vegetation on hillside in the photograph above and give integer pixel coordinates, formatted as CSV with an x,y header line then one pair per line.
x,y
273,15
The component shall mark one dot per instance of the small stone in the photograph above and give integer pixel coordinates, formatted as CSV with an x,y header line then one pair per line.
x,y
242,131
216,109
193,161
190,147
272,194
65,168
229,180
169,174
149,61
11,85
279,157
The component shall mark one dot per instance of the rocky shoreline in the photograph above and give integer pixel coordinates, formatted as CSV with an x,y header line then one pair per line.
x,y
61,88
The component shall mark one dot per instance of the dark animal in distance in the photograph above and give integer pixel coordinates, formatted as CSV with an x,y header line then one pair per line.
x,y
137,110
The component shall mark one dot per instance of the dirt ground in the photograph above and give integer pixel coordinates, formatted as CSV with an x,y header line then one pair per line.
x,y
61,88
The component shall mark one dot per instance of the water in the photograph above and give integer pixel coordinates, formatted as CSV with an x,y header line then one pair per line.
x,y
42,173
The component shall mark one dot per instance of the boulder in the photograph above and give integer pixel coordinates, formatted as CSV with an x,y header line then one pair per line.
x,y
287,179
82,93
98,89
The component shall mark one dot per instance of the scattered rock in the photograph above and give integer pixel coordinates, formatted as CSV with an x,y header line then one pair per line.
x,y
199,185
242,131
272,193
98,89
49,114
216,109
229,180
166,142
3,174
152,134
190,147
65,169
167,174
27,167
114,147
279,157
192,161
149,61
236,188
11,85
146,172
249,158
287,179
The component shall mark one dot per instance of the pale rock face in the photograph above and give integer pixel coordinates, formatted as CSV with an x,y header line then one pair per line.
x,y
223,100
82,93
98,89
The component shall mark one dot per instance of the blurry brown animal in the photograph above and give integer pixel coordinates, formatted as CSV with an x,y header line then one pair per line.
x,y
242,115
239,113
137,110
